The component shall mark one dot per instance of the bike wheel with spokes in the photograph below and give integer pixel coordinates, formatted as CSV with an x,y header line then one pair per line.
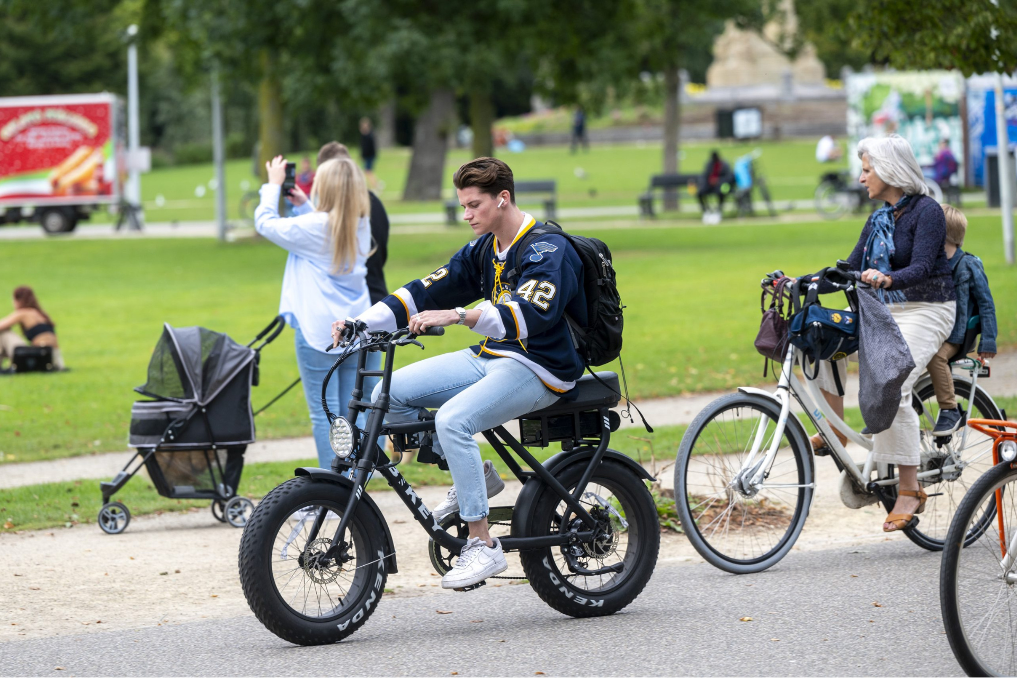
x,y
629,541
966,457
735,525
978,592
293,592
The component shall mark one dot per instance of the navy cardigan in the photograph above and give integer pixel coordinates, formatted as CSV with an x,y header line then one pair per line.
x,y
919,266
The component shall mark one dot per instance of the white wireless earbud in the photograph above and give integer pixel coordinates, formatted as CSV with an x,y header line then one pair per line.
x,y
501,202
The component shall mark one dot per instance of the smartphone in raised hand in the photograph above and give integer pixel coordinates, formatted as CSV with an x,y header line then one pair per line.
x,y
291,178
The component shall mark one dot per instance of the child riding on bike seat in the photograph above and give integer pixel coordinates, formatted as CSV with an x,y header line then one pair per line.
x,y
973,299
524,361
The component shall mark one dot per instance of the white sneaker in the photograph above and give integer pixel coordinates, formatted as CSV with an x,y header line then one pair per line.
x,y
451,504
477,562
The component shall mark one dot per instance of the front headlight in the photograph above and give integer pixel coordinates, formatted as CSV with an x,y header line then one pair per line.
x,y
1008,450
340,436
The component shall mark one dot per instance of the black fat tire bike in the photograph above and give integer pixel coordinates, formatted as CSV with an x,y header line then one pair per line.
x,y
317,551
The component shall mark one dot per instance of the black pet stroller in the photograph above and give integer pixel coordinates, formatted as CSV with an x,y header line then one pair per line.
x,y
193,435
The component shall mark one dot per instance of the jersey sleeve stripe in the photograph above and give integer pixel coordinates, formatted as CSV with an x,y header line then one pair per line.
x,y
404,295
517,315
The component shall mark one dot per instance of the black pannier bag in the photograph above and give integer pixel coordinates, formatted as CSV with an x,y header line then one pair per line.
x,y
821,333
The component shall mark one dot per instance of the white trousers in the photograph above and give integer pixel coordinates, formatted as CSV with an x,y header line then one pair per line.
x,y
925,325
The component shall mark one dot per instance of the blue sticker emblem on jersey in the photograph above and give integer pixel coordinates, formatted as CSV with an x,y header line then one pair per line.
x,y
540,248
473,242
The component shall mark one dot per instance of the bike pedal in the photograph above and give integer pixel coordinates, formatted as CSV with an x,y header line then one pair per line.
x,y
471,588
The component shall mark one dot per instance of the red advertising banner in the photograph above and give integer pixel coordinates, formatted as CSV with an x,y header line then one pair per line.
x,y
65,149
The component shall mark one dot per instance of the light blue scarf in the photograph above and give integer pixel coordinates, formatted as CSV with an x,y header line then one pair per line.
x,y
879,247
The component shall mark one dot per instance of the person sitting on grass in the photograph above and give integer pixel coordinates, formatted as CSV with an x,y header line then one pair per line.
x,y
37,327
973,298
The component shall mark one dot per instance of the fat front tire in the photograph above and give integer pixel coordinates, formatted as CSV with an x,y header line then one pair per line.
x,y
622,500
299,603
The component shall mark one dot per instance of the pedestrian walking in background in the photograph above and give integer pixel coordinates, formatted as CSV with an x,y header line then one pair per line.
x,y
368,150
579,130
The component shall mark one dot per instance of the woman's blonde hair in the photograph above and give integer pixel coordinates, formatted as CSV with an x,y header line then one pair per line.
x,y
340,190
893,161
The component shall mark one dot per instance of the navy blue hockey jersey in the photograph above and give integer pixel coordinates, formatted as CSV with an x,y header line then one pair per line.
x,y
525,323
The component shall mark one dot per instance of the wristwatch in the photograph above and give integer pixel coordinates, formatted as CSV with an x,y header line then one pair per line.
x,y
462,315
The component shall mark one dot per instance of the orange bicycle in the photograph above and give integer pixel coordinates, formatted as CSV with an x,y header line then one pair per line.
x,y
978,583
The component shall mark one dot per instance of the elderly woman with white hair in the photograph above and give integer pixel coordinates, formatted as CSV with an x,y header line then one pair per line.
x,y
901,253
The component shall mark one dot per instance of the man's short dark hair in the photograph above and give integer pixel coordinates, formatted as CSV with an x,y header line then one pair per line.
x,y
331,151
490,175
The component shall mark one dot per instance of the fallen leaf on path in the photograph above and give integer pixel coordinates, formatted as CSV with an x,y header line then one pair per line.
x,y
776,640
855,576
455,673
215,595
476,621
58,668
8,525
444,611
538,673
876,604
18,575
176,571
745,619
163,573
33,588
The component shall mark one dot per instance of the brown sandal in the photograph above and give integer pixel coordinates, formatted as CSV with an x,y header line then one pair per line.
x,y
920,494
819,446
902,521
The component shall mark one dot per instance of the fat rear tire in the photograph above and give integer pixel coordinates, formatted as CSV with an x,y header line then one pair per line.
x,y
543,567
260,544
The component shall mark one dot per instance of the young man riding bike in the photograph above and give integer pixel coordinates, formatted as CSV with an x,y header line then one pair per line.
x,y
525,361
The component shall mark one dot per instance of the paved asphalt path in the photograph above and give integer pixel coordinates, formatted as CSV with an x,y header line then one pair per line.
x,y
810,616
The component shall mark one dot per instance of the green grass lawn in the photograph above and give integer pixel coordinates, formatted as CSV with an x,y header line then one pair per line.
x,y
45,505
606,176
690,292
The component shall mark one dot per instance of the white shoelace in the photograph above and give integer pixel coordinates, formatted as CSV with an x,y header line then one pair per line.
x,y
470,552
452,496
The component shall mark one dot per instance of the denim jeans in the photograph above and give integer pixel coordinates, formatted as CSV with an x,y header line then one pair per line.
x,y
314,365
472,395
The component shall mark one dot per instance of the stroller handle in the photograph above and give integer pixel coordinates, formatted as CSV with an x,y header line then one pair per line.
x,y
275,327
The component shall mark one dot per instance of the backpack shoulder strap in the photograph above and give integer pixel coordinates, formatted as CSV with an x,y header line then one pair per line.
x,y
536,231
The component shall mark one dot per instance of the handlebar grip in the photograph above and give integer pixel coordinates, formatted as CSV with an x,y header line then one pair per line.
x,y
433,332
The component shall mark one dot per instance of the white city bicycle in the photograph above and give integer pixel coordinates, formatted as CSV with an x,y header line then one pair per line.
x,y
745,473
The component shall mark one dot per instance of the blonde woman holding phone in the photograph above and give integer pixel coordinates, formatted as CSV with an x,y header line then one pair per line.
x,y
325,273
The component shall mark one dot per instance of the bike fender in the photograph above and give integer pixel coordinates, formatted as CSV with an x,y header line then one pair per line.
x,y
327,475
526,500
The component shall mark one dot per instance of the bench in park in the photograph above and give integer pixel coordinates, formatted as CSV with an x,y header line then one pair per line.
x,y
542,187
676,183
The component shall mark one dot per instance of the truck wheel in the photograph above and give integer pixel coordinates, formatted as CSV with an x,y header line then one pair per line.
x,y
57,220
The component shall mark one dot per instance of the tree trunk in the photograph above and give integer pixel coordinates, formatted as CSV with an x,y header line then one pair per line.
x,y
270,115
385,129
430,146
672,126
481,120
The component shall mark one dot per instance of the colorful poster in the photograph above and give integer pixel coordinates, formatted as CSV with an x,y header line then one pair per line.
x,y
60,150
921,106
982,124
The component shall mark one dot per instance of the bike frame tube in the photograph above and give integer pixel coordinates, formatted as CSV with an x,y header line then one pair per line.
x,y
373,458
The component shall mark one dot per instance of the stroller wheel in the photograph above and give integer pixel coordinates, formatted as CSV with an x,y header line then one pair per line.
x,y
238,511
114,518
218,510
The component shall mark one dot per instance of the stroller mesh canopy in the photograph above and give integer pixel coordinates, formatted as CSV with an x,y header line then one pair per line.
x,y
192,364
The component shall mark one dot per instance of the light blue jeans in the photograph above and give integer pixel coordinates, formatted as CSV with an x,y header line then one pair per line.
x,y
472,395
314,365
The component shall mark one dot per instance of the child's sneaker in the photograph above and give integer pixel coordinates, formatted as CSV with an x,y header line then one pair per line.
x,y
451,504
947,422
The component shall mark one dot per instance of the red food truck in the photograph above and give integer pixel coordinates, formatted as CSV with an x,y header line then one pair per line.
x,y
61,158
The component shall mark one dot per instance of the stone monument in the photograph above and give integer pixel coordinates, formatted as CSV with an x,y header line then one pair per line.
x,y
748,59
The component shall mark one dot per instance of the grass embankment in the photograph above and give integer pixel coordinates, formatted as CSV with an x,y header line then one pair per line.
x,y
607,175
690,295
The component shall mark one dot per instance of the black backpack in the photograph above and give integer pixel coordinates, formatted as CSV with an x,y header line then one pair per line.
x,y
599,342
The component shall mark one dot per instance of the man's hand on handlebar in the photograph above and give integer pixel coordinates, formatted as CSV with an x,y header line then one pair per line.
x,y
424,320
